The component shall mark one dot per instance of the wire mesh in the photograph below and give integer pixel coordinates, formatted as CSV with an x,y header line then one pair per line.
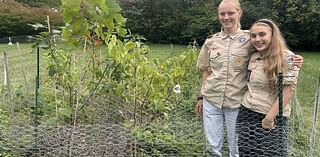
x,y
103,129
86,140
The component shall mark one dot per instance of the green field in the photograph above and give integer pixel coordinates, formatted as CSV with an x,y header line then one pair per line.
x,y
23,63
25,60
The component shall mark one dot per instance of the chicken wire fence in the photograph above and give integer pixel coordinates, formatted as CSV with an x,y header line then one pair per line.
x,y
87,140
108,134
22,138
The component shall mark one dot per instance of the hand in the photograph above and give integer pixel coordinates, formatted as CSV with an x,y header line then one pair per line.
x,y
297,60
199,107
268,123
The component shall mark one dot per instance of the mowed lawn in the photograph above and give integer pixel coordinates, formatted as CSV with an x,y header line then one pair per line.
x,y
24,61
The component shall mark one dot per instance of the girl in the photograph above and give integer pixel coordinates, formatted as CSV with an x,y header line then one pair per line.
x,y
256,124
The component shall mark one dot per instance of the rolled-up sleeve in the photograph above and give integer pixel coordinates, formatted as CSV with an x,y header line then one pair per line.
x,y
290,77
203,59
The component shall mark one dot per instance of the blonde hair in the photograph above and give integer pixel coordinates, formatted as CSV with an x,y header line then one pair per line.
x,y
274,56
236,4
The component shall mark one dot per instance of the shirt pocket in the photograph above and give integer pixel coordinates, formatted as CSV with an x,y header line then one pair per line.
x,y
258,77
252,65
215,58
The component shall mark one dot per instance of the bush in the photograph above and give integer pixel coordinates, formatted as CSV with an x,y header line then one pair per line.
x,y
15,18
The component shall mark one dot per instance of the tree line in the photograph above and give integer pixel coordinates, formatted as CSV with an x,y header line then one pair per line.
x,y
17,18
179,21
183,21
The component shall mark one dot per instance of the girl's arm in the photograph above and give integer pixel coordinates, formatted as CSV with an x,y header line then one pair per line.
x,y
205,75
268,121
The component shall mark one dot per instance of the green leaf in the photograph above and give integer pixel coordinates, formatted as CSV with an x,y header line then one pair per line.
x,y
65,111
120,19
79,26
69,14
109,24
52,70
66,34
130,45
71,3
113,5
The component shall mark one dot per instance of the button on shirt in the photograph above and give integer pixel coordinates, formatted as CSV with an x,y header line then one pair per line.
x,y
227,55
260,96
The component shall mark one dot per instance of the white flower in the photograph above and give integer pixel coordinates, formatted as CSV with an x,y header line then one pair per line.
x,y
55,31
176,89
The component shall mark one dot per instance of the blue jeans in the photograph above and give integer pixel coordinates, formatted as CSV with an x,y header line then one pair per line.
x,y
214,119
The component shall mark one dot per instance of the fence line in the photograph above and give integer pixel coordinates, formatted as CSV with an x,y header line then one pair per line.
x,y
107,136
14,39
313,137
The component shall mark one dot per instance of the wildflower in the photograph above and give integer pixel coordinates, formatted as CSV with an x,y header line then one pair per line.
x,y
176,89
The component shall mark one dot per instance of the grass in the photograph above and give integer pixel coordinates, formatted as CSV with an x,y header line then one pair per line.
x,y
162,50
19,62
25,62
307,82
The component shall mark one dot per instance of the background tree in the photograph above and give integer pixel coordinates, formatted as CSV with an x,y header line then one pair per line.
x,y
182,21
41,3
16,17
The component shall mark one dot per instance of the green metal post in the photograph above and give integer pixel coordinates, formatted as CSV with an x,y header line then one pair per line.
x,y
36,121
280,120
37,90
280,95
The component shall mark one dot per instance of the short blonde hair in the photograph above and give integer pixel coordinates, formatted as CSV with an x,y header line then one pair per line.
x,y
235,3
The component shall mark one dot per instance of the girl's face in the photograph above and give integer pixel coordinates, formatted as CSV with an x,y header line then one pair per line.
x,y
260,36
229,17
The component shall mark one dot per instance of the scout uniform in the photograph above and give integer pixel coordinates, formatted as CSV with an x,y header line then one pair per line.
x,y
253,140
260,96
227,55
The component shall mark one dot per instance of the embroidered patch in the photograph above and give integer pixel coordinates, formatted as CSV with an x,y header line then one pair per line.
x,y
238,62
238,65
242,39
214,53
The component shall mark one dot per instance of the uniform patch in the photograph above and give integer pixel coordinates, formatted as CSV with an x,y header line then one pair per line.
x,y
242,40
238,64
214,53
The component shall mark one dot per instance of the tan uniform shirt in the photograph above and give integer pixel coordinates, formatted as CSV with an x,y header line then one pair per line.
x,y
227,56
260,96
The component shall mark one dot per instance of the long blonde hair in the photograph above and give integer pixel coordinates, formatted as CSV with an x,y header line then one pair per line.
x,y
236,4
274,56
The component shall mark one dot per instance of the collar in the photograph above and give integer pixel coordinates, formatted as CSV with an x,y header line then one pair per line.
x,y
224,35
